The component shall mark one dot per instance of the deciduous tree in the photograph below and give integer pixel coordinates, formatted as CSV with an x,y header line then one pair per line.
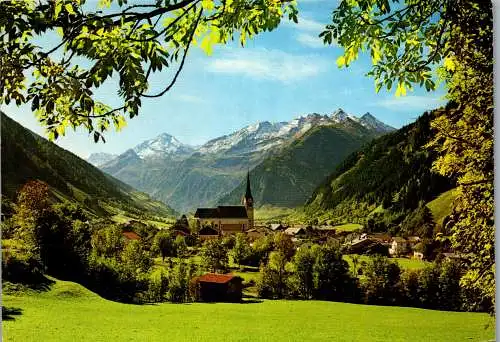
x,y
120,40
411,43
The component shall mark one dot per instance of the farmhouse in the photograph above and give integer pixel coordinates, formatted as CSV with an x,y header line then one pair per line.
x,y
228,219
277,227
296,231
399,246
213,287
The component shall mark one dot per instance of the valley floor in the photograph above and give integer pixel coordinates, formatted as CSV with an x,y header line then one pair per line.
x,y
69,312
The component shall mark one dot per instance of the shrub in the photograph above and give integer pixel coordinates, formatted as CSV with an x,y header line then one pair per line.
x,y
380,281
157,286
113,280
21,268
241,250
179,283
214,255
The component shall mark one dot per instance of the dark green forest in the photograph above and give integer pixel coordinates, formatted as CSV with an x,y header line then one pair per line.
x,y
387,179
27,156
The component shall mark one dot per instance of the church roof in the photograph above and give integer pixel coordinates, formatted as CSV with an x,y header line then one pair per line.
x,y
206,213
223,211
232,211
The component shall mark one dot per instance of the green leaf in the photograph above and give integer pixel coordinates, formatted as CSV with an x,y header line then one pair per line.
x,y
57,10
70,9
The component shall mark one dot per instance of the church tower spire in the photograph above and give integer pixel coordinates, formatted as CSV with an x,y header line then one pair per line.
x,y
248,202
248,193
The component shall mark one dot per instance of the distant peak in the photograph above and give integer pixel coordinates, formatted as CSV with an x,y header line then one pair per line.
x,y
370,121
165,135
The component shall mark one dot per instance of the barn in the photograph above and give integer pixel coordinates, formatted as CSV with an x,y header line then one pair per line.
x,y
213,287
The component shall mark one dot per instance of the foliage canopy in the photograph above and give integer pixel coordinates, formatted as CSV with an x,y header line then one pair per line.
x,y
129,42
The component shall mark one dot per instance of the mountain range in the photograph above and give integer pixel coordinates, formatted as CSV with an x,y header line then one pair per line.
x,y
187,177
27,156
389,178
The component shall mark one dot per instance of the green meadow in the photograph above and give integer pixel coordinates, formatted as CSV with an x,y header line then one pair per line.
x,y
69,312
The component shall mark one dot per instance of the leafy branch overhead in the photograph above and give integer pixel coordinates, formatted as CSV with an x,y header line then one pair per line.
x,y
120,41
405,39
409,39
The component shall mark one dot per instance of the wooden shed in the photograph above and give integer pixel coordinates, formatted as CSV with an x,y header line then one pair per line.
x,y
213,287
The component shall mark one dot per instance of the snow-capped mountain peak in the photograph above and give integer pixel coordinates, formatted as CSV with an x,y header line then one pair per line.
x,y
340,116
371,122
161,146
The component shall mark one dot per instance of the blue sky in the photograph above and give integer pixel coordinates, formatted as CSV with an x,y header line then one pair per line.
x,y
278,76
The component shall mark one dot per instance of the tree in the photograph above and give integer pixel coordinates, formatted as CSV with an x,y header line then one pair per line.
x,y
214,255
304,261
241,250
407,42
163,243
332,280
131,41
355,264
32,204
108,241
283,244
180,246
380,281
419,222
135,258
273,277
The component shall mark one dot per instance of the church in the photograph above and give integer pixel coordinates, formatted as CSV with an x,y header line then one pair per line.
x,y
229,219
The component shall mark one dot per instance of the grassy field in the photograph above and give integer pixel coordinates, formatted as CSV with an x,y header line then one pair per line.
x,y
69,312
348,227
442,205
122,218
404,263
270,213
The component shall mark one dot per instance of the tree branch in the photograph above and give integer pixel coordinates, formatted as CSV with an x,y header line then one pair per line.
x,y
182,61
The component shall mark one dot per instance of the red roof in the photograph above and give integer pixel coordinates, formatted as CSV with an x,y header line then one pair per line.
x,y
131,236
216,278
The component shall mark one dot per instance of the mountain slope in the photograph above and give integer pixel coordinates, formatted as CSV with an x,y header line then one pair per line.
x,y
25,156
391,174
199,177
288,178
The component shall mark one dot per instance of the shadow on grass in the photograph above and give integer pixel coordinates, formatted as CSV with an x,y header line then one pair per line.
x,y
40,284
8,313
251,301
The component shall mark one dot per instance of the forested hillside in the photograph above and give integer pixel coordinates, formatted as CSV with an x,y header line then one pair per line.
x,y
288,178
387,179
27,156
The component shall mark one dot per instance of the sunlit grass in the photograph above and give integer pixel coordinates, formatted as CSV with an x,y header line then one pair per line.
x,y
69,312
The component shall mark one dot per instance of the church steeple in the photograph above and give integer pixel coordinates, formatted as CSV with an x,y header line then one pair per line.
x,y
248,193
248,202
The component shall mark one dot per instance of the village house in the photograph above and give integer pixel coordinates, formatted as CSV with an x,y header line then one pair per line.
x,y
228,219
296,231
256,233
213,287
129,236
399,246
277,227
208,233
